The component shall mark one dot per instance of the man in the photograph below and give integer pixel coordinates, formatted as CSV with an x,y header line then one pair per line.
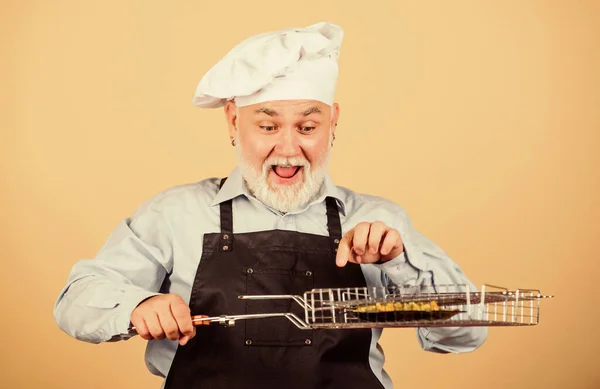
x,y
276,225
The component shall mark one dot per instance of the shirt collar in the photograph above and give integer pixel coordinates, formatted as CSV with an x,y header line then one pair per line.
x,y
234,186
329,189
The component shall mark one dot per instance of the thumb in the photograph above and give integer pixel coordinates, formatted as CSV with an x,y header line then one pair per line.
x,y
186,338
183,340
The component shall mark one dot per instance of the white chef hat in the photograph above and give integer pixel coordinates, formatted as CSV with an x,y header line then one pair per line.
x,y
290,64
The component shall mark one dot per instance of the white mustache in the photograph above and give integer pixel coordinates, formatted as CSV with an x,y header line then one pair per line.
x,y
285,162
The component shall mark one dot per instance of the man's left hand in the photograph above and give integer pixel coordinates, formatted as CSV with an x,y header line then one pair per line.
x,y
369,243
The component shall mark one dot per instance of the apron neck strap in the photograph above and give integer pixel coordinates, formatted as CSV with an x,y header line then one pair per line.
x,y
226,222
226,214
333,218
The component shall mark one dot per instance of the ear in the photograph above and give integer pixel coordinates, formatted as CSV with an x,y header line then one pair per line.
x,y
335,116
231,116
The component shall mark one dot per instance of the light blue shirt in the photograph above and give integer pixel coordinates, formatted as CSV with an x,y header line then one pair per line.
x,y
164,237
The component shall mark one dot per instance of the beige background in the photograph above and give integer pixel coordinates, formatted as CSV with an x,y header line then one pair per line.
x,y
481,118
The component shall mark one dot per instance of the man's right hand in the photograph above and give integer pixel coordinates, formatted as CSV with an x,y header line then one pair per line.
x,y
164,316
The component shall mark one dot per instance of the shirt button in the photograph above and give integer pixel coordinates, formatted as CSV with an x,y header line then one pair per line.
x,y
248,342
249,271
308,273
307,341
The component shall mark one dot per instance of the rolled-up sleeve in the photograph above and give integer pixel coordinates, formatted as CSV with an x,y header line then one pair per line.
x,y
424,263
100,294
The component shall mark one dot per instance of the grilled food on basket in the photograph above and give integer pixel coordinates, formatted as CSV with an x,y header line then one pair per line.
x,y
404,311
399,306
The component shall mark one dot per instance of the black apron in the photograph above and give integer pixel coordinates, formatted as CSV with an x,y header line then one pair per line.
x,y
270,352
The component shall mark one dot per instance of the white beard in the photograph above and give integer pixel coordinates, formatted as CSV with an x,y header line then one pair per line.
x,y
283,197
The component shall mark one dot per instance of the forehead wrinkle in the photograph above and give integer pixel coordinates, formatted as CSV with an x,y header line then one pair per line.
x,y
283,108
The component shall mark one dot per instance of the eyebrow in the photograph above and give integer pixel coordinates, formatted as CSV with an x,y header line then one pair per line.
x,y
271,112
313,109
267,111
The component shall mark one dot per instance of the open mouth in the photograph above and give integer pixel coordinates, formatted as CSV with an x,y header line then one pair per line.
x,y
286,172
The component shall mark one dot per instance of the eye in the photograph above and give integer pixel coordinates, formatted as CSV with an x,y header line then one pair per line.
x,y
307,129
268,128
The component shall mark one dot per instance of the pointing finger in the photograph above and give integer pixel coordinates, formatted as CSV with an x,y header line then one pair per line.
x,y
344,249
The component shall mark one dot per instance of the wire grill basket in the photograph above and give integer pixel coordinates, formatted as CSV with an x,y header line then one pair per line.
x,y
408,306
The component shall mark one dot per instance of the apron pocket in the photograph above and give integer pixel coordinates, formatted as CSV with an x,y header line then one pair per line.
x,y
277,331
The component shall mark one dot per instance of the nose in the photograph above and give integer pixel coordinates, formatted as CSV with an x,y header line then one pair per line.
x,y
288,143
